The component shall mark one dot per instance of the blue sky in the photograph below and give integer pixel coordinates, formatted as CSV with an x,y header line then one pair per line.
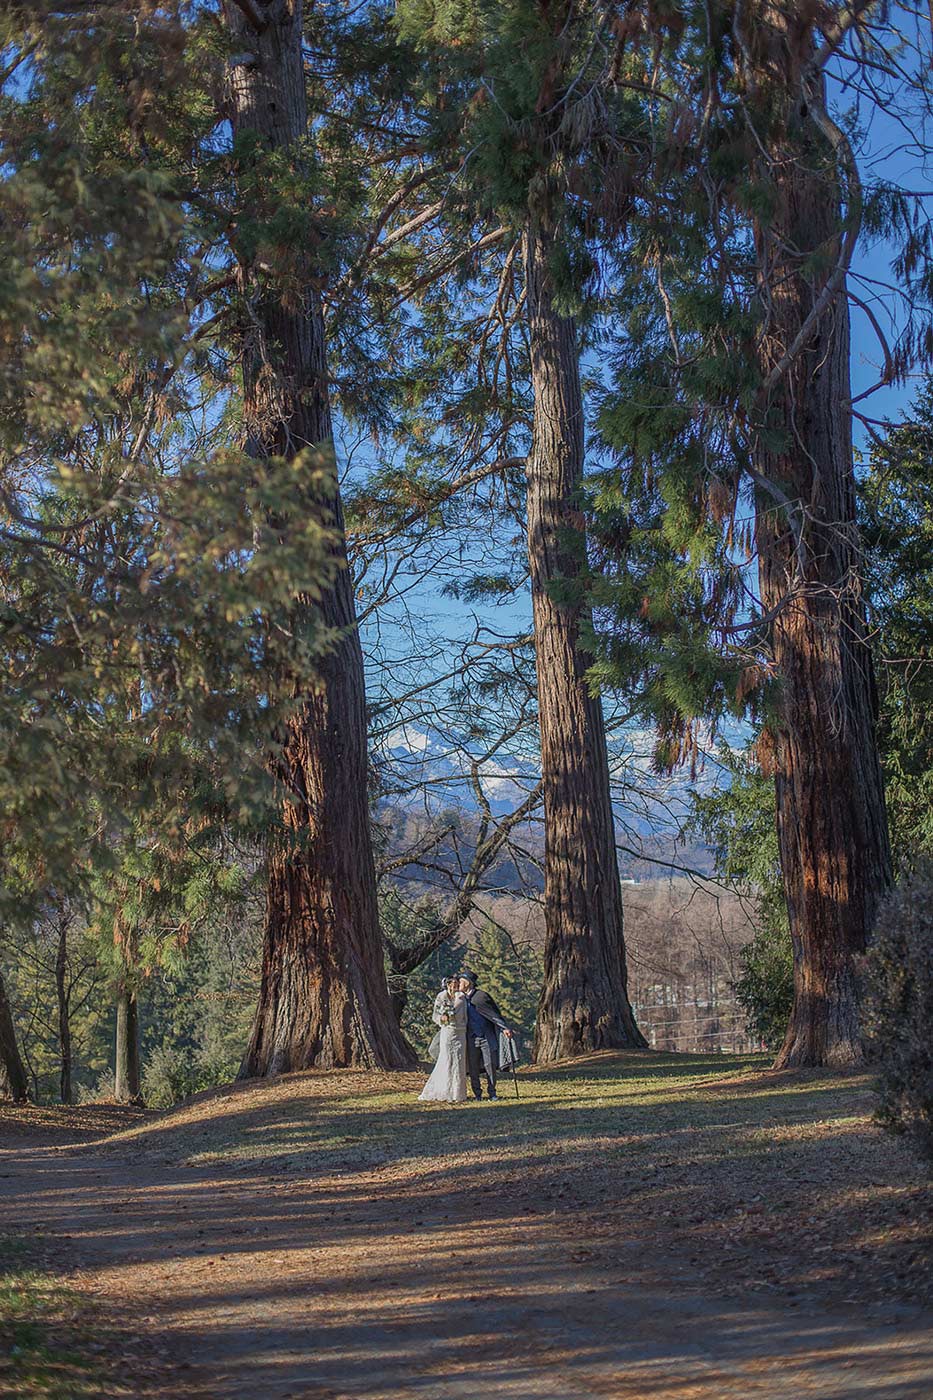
x,y
888,146
892,145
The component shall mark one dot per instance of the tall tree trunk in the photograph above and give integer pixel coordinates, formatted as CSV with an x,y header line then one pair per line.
x,y
14,1082
127,1087
64,1024
831,820
126,1081
584,1002
323,998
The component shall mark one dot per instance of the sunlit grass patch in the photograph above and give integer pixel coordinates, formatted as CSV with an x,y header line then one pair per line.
x,y
355,1120
43,1334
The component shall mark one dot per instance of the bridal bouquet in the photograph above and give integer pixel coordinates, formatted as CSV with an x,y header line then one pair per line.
x,y
447,1013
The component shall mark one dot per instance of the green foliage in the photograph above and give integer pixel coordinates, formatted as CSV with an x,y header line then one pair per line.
x,y
765,989
194,965
737,822
149,568
197,1008
28,955
511,973
172,1071
155,583
898,1007
408,926
684,415
896,516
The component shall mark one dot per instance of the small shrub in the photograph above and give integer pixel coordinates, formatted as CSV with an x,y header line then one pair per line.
x,y
765,990
898,1013
168,1075
173,1072
103,1090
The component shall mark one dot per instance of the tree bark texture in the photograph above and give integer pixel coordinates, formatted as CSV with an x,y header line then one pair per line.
x,y
13,1078
126,1081
323,999
584,1002
831,820
64,1021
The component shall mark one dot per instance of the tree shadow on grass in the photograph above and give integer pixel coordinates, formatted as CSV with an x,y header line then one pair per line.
x,y
439,1248
703,1177
344,1122
340,1296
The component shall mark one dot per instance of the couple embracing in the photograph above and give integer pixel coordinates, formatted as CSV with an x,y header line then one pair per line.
x,y
468,1043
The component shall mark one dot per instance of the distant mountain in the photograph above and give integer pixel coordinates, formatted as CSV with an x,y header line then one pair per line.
x,y
428,784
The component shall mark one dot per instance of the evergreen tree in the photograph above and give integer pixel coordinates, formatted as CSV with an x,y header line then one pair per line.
x,y
213,575
737,823
511,974
143,594
525,88
735,396
323,998
896,516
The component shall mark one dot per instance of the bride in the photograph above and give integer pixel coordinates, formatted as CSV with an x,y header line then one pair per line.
x,y
447,1083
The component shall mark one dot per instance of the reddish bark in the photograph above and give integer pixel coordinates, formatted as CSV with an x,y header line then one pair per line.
x,y
584,1003
831,820
323,998
14,1082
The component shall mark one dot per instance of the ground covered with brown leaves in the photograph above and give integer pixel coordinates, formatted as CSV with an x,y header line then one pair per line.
x,y
634,1225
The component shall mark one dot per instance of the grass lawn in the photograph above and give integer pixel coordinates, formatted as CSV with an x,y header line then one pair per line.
x,y
742,1176
46,1339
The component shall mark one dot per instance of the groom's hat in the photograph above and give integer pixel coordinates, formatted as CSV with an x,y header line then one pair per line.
x,y
468,976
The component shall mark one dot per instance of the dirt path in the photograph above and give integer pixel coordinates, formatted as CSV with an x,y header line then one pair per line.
x,y
264,1282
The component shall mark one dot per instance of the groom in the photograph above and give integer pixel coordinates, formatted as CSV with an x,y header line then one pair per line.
x,y
484,1021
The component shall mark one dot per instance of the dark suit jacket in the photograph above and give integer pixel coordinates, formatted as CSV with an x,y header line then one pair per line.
x,y
482,1003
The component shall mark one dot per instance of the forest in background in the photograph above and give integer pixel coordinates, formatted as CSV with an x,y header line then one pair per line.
x,y
448,408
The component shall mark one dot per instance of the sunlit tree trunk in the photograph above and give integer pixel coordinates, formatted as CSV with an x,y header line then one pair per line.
x,y
584,1002
126,1048
323,998
64,1020
831,819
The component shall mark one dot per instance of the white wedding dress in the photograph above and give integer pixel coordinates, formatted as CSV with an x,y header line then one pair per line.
x,y
448,1083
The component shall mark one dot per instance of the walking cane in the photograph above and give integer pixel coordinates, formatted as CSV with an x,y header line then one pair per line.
x,y
512,1065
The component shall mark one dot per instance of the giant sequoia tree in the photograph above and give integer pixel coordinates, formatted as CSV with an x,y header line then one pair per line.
x,y
143,553
526,146
323,999
584,1003
478,232
736,399
832,826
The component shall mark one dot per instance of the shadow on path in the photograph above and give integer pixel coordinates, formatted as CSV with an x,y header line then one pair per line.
x,y
447,1282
